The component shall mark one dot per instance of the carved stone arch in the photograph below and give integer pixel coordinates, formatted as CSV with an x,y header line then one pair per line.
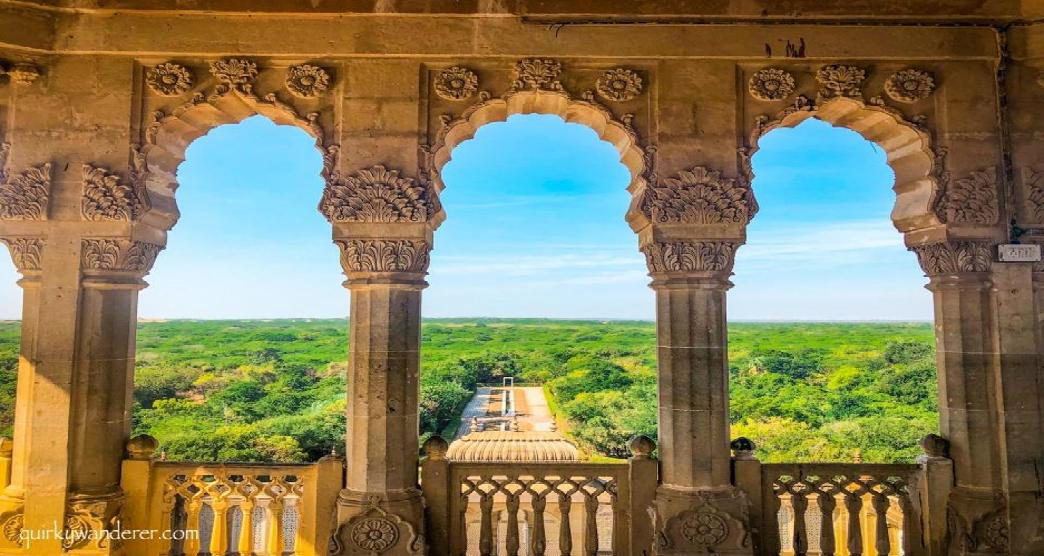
x,y
908,149
618,132
169,133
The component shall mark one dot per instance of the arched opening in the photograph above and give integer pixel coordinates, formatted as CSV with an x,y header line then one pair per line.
x,y
10,337
536,233
846,371
245,315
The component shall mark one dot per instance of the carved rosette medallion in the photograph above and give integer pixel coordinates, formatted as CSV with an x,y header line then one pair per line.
x,y
455,83
375,534
954,257
377,194
619,85
23,73
910,85
26,252
771,84
12,528
704,529
25,195
970,200
537,74
107,197
307,81
118,255
169,80
689,256
1033,182
839,80
234,74
699,196
384,255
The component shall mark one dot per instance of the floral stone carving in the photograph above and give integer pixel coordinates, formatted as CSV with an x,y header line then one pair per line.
x,y
119,255
699,196
169,79
909,85
840,81
771,84
537,74
12,528
689,256
25,195
377,194
23,73
704,528
307,81
1034,184
619,85
953,257
26,252
456,83
384,255
374,534
106,197
234,73
970,200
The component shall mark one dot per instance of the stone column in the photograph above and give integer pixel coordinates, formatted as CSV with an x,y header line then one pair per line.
x,y
75,384
989,395
383,225
689,228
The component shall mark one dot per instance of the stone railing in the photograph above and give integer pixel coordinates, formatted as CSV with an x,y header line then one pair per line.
x,y
845,509
209,508
539,508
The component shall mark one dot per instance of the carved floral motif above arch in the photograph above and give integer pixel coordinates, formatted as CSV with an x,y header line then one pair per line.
x,y
537,87
237,88
907,144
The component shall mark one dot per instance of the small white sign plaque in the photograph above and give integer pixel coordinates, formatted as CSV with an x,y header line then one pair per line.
x,y
1018,253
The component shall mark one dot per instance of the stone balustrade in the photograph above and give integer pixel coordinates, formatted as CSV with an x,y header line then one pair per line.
x,y
208,508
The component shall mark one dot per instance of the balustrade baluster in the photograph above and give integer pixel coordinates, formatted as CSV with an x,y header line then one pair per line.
x,y
486,527
827,503
192,542
565,532
512,543
773,536
880,504
219,532
275,527
854,506
591,525
539,541
911,528
246,528
799,503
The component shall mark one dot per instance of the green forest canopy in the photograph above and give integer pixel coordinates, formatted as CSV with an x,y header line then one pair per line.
x,y
274,390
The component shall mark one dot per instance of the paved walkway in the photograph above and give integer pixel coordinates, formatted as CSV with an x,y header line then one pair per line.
x,y
530,408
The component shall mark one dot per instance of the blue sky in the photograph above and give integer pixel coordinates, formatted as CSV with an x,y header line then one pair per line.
x,y
535,228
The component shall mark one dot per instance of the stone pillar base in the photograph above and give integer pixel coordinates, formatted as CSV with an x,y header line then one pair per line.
x,y
704,521
978,522
385,523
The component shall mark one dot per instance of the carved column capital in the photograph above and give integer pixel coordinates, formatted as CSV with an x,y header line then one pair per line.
x,y
682,257
954,257
117,260
698,196
378,195
26,252
385,260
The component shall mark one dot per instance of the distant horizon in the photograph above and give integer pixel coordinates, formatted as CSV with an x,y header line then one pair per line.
x,y
142,320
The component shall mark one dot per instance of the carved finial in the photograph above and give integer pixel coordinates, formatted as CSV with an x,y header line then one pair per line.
x,y
436,448
6,447
475,427
514,424
857,456
743,448
141,447
642,447
935,446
